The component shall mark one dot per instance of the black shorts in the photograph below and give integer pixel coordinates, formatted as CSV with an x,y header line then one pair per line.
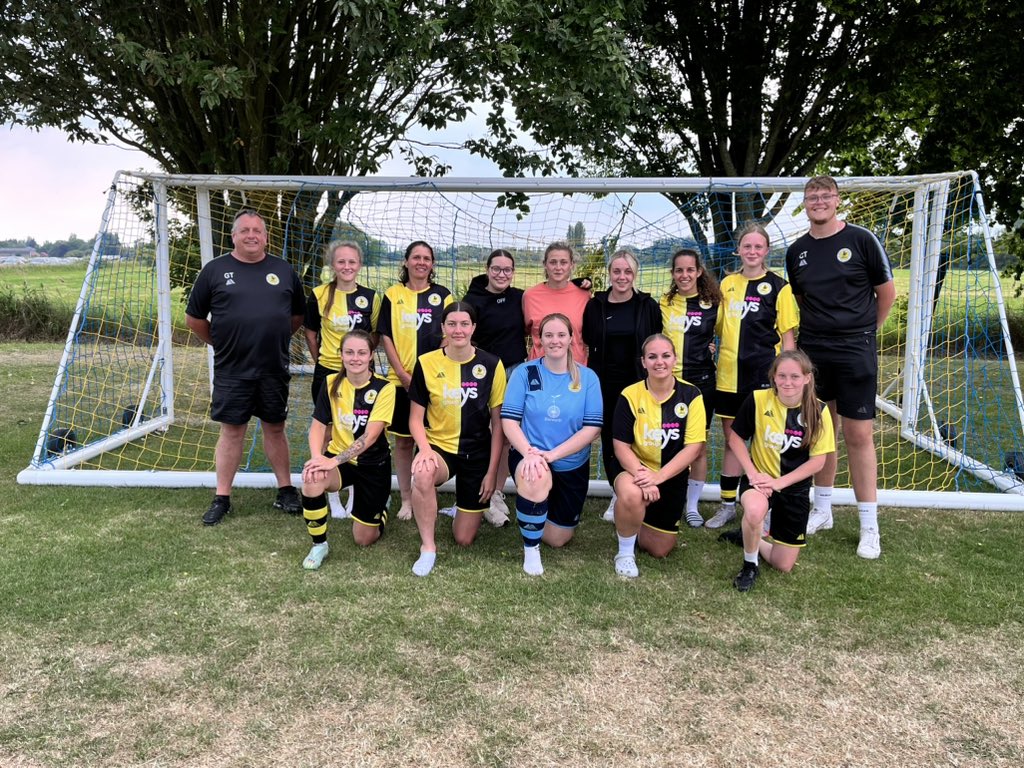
x,y
705,382
320,374
664,514
568,491
790,509
727,404
235,401
469,471
400,418
845,370
372,485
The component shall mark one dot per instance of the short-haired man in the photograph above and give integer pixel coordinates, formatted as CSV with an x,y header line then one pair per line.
x,y
255,303
842,280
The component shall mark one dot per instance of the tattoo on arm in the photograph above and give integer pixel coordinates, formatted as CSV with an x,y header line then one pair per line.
x,y
357,447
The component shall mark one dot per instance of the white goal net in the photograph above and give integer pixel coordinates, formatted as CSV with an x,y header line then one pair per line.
x,y
130,401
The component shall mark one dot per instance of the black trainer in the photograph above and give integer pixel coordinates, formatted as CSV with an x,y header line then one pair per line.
x,y
745,579
220,506
288,500
733,536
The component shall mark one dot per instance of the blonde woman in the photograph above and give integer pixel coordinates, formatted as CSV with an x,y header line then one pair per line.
x,y
551,416
332,310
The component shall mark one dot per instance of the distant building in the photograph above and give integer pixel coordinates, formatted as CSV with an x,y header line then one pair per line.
x,y
26,253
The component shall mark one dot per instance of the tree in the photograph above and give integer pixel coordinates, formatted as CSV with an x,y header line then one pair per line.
x,y
720,88
257,87
262,87
576,235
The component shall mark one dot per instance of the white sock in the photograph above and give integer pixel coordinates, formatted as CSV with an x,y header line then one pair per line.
x,y
823,498
337,508
694,488
868,513
425,564
531,561
627,544
751,557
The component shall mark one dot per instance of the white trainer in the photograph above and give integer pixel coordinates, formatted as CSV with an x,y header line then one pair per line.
x,y
625,566
609,514
819,521
447,511
497,513
316,556
725,513
870,546
693,518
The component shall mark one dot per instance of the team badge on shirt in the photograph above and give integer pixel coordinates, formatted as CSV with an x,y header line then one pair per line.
x,y
433,299
370,396
479,371
764,288
680,410
361,302
705,305
844,255
273,279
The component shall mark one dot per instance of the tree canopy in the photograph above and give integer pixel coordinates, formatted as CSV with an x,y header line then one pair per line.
x,y
766,88
628,87
256,87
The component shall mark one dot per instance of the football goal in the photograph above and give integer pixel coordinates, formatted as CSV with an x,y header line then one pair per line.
x,y
130,399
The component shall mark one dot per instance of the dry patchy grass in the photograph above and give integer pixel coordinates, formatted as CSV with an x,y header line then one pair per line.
x,y
955,701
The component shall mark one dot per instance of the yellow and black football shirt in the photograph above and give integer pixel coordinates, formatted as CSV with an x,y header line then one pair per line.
x,y
458,398
412,320
659,429
776,435
351,410
690,323
350,310
752,317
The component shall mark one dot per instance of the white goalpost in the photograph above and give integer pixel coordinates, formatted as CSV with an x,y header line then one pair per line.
x,y
130,400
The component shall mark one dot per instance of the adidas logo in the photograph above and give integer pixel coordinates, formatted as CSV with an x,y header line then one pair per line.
x,y
770,413
440,375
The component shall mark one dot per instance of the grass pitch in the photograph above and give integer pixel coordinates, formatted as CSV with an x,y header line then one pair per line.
x,y
131,635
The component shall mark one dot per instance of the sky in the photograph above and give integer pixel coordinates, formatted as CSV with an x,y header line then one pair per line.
x,y
53,188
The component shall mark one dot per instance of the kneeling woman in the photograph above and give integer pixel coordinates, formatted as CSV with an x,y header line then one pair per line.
x,y
659,429
358,405
790,434
551,416
454,417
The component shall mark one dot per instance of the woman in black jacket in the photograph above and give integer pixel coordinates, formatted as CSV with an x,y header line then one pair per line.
x,y
500,330
615,324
